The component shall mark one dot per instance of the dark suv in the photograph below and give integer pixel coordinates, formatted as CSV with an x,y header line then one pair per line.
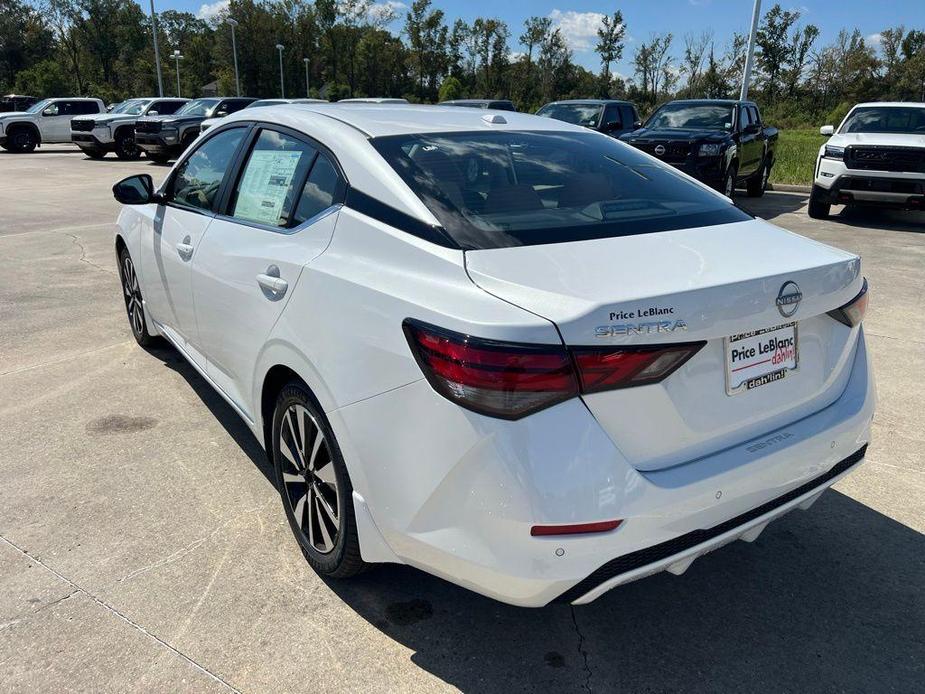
x,y
604,115
165,137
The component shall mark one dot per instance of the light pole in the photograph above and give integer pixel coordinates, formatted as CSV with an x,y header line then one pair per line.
x,y
177,58
157,52
750,56
234,49
282,85
307,90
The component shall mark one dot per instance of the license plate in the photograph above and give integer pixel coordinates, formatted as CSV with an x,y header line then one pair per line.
x,y
760,357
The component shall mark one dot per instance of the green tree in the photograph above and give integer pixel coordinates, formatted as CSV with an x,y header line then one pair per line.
x,y
610,45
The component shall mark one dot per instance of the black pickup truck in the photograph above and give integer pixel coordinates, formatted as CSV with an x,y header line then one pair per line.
x,y
721,142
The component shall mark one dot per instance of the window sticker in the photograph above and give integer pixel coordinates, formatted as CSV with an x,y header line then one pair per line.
x,y
266,182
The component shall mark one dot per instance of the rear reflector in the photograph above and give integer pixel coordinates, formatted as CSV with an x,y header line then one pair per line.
x,y
576,529
852,313
511,380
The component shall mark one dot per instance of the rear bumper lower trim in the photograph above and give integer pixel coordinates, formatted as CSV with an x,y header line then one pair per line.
x,y
651,559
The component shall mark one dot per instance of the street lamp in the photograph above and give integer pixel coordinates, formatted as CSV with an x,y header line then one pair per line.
x,y
282,85
750,56
176,57
157,53
307,91
234,49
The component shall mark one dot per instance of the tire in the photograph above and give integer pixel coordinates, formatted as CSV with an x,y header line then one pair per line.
x,y
758,184
817,208
126,149
22,140
158,158
314,485
729,181
134,306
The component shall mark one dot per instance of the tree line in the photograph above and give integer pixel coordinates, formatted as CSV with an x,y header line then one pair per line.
x,y
104,48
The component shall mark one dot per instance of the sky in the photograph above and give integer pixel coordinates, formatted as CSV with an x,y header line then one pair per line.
x,y
579,19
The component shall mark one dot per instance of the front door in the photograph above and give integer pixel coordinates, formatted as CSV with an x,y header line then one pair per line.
x,y
171,243
280,216
56,122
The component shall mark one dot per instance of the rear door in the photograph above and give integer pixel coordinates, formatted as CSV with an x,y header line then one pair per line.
x,y
171,242
277,216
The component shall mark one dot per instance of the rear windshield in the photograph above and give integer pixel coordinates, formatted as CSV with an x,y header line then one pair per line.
x,y
502,189
885,119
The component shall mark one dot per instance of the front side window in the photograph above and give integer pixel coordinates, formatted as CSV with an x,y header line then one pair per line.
x,y
885,119
743,118
199,177
588,115
133,107
197,108
501,189
38,107
628,116
693,116
165,108
268,185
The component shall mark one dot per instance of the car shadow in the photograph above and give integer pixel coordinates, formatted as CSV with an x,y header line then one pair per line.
x,y
830,599
775,204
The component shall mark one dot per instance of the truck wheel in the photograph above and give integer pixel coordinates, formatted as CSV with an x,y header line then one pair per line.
x,y
817,208
22,140
758,183
729,181
126,148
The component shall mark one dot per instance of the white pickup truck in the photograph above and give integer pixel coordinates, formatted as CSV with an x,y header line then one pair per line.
x,y
876,157
115,131
47,122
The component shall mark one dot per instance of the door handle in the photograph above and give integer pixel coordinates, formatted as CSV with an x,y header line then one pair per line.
x,y
274,285
185,248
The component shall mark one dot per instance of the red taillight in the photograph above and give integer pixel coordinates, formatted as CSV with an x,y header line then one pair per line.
x,y
852,313
512,380
576,529
607,369
494,378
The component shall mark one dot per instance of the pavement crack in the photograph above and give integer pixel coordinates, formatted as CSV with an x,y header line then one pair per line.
x,y
64,358
83,253
112,610
581,650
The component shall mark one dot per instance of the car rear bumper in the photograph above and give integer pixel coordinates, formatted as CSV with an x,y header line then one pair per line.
x,y
456,494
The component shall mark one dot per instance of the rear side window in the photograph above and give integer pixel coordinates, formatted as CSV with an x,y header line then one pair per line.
x,y
322,189
81,108
233,106
753,115
167,108
502,189
199,177
271,179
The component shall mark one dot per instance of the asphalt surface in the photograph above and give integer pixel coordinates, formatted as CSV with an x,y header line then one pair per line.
x,y
143,547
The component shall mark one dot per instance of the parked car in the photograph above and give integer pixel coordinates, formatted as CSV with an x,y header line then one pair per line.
x,y
496,104
164,137
45,122
209,122
16,102
723,143
608,116
877,157
373,100
504,349
115,131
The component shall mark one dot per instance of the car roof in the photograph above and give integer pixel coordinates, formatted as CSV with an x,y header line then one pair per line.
x,y
476,101
591,101
893,104
378,120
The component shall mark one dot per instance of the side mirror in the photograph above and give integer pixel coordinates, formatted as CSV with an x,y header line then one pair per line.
x,y
220,114
827,130
613,125
51,111
135,190
637,124
152,113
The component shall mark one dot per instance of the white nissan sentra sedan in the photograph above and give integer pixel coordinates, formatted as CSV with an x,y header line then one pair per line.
x,y
506,350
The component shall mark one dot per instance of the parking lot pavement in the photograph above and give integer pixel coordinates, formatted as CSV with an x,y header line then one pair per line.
x,y
142,545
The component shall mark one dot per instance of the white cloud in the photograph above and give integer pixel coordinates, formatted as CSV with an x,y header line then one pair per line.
x,y
381,10
212,10
579,29
874,39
